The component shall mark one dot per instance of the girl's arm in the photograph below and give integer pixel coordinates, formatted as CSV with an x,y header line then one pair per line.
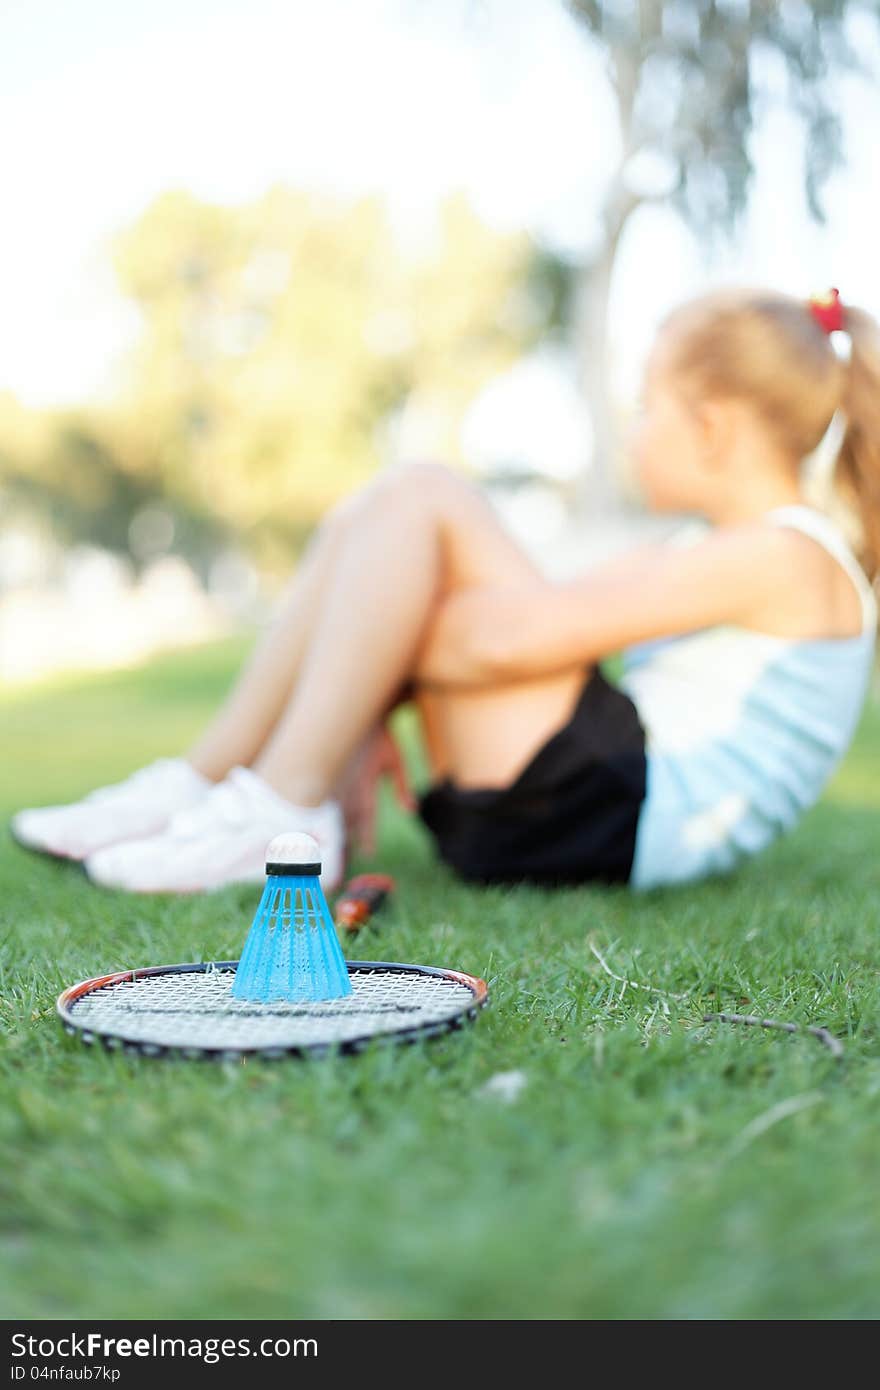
x,y
488,634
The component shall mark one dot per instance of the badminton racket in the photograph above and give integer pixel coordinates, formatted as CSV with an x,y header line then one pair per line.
x,y
189,1011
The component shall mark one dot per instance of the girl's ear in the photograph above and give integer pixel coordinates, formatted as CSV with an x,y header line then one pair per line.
x,y
716,425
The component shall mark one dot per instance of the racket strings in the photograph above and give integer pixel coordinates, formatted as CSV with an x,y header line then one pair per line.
x,y
241,1009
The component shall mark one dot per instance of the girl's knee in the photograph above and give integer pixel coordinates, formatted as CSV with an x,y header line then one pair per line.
x,y
426,481
417,487
345,509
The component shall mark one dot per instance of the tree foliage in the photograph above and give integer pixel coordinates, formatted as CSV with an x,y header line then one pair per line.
x,y
278,339
280,335
690,78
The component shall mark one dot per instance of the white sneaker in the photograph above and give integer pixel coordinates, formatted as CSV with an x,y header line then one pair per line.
x,y
222,840
141,805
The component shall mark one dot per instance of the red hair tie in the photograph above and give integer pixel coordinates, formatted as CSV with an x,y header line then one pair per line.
x,y
828,311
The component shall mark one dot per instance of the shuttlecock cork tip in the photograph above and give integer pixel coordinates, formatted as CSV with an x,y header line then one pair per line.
x,y
294,852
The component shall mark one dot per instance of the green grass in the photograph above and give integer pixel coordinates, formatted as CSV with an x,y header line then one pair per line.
x,y
643,1171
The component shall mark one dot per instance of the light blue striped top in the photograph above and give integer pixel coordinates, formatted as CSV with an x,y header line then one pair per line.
x,y
743,729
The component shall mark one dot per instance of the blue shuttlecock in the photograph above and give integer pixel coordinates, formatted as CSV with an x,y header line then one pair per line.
x,y
292,951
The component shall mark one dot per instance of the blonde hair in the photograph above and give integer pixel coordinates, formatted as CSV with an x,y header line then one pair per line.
x,y
768,348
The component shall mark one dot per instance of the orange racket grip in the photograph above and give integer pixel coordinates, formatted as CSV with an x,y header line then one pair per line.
x,y
360,898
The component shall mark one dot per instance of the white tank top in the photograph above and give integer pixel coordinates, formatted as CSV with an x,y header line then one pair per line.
x,y
743,729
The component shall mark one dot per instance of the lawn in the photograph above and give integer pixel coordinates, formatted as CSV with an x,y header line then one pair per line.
x,y
650,1165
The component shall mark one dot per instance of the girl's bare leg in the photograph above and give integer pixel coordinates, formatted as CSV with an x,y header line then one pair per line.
x,y
425,529
252,709
484,737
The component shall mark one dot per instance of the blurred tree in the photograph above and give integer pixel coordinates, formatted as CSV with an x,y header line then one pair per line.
x,y
71,470
78,487
279,339
278,336
688,87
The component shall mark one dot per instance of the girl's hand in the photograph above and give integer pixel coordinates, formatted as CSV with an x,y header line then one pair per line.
x,y
380,757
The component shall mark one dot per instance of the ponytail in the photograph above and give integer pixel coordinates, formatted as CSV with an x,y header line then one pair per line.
x,y
858,463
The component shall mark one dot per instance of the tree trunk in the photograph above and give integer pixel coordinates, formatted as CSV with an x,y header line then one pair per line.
x,y
600,487
600,491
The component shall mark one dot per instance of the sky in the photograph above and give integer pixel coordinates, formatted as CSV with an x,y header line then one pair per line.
x,y
104,104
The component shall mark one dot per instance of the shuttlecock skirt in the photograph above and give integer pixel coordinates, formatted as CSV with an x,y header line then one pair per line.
x,y
292,951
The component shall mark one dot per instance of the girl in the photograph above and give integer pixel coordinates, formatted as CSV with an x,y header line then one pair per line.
x,y
747,651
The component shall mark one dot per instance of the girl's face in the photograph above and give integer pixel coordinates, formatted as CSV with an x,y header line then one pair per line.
x,y
667,443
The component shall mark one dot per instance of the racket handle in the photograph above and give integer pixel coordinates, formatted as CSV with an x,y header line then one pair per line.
x,y
360,898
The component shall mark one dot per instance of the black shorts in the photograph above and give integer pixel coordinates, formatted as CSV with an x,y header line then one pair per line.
x,y
569,816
